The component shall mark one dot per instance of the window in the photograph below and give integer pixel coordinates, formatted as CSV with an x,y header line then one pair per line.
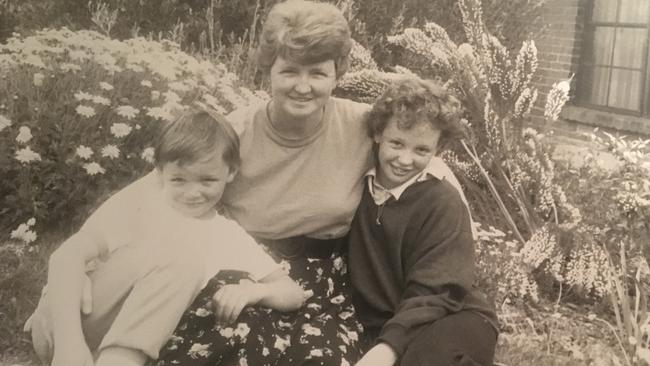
x,y
614,66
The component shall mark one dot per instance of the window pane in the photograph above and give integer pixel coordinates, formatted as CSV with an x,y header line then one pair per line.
x,y
593,84
604,11
628,51
603,45
625,91
634,11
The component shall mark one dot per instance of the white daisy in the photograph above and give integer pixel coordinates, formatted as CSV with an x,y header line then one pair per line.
x,y
110,151
94,168
4,122
84,152
85,111
120,129
24,134
81,96
127,111
106,86
26,155
148,155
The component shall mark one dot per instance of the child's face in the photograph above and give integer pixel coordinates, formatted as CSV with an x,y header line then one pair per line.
x,y
194,189
404,153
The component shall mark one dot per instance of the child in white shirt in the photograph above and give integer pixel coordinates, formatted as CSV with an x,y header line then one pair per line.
x,y
156,244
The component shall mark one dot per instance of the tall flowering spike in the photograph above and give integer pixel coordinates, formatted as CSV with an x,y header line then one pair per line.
x,y
473,23
439,34
492,130
365,85
360,58
538,248
416,41
587,268
525,102
556,98
499,68
525,65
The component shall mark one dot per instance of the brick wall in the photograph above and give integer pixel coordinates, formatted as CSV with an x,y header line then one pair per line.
x,y
558,47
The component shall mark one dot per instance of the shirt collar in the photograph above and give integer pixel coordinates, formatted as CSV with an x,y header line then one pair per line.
x,y
435,169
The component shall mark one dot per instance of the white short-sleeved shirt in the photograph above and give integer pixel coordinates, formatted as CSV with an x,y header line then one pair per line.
x,y
140,215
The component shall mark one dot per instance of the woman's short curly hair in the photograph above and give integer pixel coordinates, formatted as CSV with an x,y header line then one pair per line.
x,y
413,101
305,32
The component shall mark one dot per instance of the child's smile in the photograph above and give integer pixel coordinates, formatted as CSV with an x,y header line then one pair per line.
x,y
404,153
194,189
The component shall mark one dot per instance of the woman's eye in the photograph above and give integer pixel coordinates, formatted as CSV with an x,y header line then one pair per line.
x,y
423,151
178,180
394,143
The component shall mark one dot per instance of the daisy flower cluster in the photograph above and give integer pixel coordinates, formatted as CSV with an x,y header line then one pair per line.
x,y
78,111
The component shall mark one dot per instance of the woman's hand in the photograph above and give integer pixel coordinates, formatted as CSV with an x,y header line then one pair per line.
x,y
230,300
379,355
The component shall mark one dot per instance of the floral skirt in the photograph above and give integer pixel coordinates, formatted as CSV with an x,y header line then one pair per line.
x,y
324,331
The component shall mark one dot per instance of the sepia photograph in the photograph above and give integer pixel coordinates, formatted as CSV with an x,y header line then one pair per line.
x,y
324,182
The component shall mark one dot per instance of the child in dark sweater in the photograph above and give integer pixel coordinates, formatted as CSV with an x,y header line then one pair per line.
x,y
411,253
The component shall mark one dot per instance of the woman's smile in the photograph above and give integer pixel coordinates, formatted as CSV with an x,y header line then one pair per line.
x,y
300,91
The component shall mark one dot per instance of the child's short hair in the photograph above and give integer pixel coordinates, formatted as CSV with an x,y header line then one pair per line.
x,y
305,32
195,135
413,101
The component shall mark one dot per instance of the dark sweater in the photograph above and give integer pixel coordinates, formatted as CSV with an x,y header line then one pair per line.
x,y
416,265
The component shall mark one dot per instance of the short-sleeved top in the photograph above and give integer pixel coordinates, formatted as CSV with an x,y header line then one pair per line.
x,y
309,186
140,214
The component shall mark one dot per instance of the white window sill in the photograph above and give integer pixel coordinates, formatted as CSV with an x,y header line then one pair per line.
x,y
597,118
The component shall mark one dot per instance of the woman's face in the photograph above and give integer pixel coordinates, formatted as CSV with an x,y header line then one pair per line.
x,y
300,91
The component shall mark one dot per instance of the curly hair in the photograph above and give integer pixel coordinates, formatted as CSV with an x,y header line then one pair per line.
x,y
413,101
306,32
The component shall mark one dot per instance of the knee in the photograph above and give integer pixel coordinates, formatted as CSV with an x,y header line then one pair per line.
x,y
442,352
41,334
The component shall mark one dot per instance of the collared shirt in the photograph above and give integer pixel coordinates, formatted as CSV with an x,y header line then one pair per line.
x,y
435,169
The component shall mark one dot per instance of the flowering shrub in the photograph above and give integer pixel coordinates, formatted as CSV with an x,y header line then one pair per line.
x,y
615,203
501,156
77,114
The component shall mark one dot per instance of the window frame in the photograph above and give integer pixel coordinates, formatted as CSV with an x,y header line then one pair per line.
x,y
586,61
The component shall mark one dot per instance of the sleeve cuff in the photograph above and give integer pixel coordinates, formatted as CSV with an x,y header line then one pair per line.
x,y
395,336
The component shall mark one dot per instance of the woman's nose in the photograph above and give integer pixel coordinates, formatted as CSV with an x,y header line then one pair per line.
x,y
303,85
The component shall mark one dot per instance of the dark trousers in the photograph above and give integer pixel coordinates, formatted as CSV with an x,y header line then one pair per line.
x,y
461,339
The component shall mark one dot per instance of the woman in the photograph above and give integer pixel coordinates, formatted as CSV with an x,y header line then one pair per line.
x,y
304,155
